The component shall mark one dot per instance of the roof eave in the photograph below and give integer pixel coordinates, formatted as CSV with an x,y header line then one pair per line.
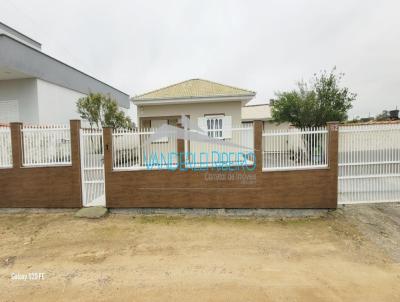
x,y
165,101
264,119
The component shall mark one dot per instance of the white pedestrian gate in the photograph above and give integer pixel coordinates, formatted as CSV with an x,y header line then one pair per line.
x,y
92,167
369,163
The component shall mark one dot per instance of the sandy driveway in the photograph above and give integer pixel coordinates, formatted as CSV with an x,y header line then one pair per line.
x,y
123,258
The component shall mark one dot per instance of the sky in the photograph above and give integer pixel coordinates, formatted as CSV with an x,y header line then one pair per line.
x,y
264,46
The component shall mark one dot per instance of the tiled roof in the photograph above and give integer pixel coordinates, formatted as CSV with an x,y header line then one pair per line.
x,y
194,88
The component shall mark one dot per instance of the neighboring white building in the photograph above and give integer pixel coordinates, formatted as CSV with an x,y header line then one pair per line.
x,y
37,88
261,112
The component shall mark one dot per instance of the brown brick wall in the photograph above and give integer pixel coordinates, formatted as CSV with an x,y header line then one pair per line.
x,y
190,189
61,186
50,187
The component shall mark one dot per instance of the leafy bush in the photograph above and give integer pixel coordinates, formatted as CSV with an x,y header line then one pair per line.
x,y
102,111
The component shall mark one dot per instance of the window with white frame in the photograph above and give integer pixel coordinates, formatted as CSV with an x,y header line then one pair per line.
x,y
216,126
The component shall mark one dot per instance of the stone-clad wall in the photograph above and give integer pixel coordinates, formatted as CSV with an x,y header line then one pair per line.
x,y
314,188
41,187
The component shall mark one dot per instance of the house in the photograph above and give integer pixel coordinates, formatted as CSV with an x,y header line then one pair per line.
x,y
37,88
210,105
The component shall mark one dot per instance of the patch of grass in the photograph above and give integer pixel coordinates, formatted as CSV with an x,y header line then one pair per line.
x,y
211,219
296,221
158,219
175,219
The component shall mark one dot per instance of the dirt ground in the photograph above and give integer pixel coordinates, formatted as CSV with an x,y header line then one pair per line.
x,y
352,254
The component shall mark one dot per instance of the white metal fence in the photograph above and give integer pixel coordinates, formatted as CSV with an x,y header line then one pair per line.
x,y
369,163
133,151
92,167
46,145
238,150
5,148
295,149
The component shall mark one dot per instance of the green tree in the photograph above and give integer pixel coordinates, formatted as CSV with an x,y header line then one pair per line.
x,y
102,111
314,104
384,116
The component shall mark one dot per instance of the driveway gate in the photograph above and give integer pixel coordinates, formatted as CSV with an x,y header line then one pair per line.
x,y
369,163
92,167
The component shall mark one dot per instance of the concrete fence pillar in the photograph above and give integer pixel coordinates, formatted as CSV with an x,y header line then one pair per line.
x,y
108,160
257,132
75,129
333,154
333,144
16,144
180,149
107,145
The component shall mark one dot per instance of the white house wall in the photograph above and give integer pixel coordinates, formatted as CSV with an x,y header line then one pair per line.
x,y
25,92
194,110
56,104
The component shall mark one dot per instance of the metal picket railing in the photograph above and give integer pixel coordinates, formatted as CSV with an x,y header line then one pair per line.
x,y
295,149
239,150
133,151
369,163
48,145
5,147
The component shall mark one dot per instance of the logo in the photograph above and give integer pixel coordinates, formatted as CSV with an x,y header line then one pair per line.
x,y
211,153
